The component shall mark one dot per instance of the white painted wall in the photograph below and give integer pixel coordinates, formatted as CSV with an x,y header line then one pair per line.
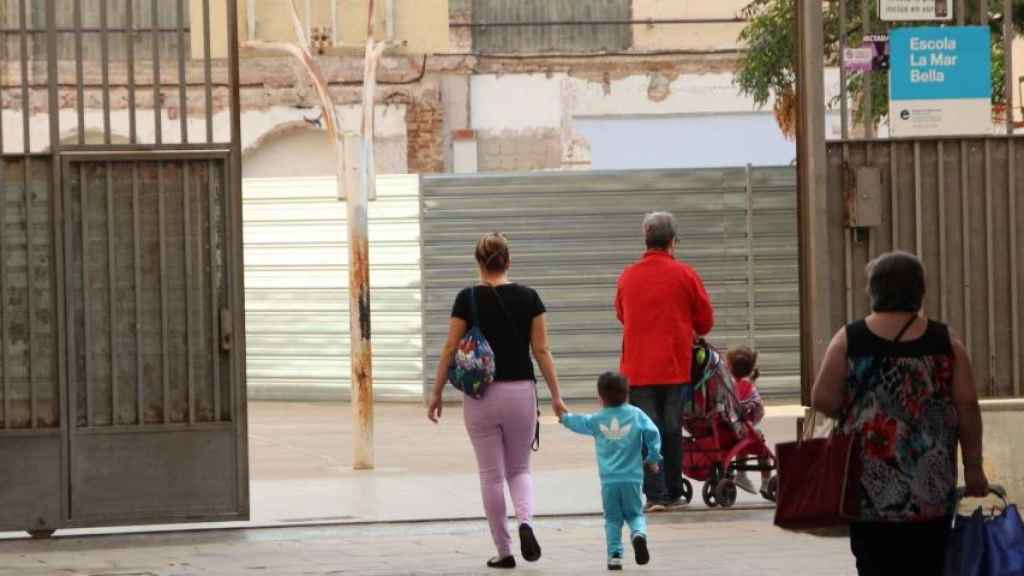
x,y
257,125
516,101
307,152
513,104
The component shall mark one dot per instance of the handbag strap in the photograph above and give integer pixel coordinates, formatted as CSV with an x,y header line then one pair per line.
x,y
903,331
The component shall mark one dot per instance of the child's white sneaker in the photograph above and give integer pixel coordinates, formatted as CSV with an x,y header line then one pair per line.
x,y
615,562
744,483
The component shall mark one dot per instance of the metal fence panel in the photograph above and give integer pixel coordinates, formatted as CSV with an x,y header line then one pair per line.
x,y
296,266
955,203
28,371
573,37
573,233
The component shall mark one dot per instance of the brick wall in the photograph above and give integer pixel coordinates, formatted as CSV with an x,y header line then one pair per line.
x,y
424,119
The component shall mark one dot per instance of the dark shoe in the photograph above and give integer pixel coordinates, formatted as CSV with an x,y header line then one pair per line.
x,y
654,507
506,562
674,503
643,555
615,562
528,543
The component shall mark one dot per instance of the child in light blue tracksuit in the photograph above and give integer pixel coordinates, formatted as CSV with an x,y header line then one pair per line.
x,y
623,433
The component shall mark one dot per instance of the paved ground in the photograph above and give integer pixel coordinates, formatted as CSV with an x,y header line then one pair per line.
x,y
692,542
301,476
301,465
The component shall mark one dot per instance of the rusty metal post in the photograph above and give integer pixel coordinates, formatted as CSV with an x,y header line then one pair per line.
x,y
359,262
356,179
812,201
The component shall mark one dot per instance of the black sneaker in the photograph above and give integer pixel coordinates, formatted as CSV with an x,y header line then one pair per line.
x,y
615,562
506,562
528,543
643,555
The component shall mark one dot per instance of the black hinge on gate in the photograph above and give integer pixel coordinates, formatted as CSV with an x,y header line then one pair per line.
x,y
227,335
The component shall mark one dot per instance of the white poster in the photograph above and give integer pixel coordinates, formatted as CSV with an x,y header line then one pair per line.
x,y
915,10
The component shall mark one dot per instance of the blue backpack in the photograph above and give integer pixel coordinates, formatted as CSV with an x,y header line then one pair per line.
x,y
472,366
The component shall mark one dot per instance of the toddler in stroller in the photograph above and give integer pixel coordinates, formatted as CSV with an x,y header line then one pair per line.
x,y
720,441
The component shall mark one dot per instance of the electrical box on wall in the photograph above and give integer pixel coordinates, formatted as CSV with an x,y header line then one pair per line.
x,y
863,197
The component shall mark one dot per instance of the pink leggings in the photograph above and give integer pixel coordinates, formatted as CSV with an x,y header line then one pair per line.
x,y
501,426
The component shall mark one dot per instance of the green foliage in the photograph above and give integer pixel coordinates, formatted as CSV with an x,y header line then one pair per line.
x,y
767,68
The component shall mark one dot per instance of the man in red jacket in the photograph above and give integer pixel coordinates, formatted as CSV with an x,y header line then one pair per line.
x,y
661,304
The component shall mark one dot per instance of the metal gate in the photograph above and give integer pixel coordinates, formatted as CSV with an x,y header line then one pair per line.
x,y
572,234
121,323
954,201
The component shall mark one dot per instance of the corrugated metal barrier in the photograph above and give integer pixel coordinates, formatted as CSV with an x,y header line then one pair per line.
x,y
296,280
572,233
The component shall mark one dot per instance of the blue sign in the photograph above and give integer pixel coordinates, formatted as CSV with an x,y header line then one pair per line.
x,y
940,63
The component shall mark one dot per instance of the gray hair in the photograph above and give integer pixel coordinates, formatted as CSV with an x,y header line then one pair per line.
x,y
896,282
659,230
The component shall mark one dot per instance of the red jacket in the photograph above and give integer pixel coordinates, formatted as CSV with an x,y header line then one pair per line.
x,y
661,303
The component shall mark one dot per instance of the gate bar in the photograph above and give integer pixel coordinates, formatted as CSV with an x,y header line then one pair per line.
x,y
751,292
80,72
87,332
1011,188
165,366
233,249
157,90
844,122
105,72
3,45
965,224
182,73
214,309
3,300
186,174
894,198
943,297
989,265
112,292
137,263
918,233
869,154
208,75
26,112
1008,37
26,108
130,57
57,212
869,99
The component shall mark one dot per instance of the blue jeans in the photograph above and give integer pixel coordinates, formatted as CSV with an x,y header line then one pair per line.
x,y
663,405
623,503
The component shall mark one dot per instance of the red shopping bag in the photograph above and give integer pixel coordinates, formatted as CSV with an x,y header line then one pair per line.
x,y
819,482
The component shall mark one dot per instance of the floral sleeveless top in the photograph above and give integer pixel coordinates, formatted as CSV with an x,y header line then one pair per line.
x,y
902,407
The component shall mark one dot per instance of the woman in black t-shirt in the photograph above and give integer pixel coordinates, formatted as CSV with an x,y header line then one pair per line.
x,y
502,423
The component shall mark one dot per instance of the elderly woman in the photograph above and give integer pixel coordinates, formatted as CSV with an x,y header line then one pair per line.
x,y
503,422
904,384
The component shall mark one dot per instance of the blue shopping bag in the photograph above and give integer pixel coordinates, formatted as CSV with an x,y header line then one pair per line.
x,y
965,552
1004,544
986,545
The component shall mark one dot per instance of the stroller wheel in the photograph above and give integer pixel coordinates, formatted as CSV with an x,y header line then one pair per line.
x,y
709,494
725,492
687,494
772,490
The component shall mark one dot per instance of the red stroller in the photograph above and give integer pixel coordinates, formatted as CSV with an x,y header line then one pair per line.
x,y
718,441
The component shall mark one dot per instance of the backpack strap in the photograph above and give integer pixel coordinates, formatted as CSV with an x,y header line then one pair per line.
x,y
474,311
